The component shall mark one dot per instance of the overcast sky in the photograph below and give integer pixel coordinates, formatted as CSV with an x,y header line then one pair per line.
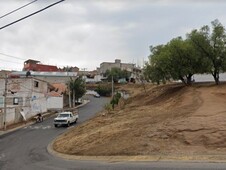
x,y
85,33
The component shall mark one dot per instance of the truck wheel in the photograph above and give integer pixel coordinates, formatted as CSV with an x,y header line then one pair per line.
x,y
55,125
76,120
68,124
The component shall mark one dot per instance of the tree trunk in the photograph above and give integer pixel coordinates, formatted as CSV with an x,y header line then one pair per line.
x,y
183,81
216,77
189,81
73,99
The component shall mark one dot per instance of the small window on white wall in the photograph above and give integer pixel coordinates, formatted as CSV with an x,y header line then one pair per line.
x,y
15,101
36,83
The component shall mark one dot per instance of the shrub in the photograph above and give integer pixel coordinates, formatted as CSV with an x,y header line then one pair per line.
x,y
104,90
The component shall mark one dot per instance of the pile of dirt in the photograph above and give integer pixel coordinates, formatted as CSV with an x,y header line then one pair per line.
x,y
165,119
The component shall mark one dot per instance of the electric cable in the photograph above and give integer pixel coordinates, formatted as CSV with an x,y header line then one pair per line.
x,y
31,14
17,9
7,55
9,61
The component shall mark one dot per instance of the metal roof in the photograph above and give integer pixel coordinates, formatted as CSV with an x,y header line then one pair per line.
x,y
46,74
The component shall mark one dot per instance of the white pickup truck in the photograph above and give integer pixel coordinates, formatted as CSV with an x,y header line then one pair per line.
x,y
65,118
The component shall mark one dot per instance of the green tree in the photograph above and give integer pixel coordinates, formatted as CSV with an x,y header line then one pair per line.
x,y
104,89
211,45
117,74
157,70
177,60
115,100
77,89
185,61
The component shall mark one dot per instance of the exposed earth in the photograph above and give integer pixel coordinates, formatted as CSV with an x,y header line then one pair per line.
x,y
170,119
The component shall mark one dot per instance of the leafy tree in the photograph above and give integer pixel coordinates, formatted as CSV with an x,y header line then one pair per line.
x,y
77,88
203,51
185,61
117,74
177,60
104,89
115,100
67,69
157,70
211,45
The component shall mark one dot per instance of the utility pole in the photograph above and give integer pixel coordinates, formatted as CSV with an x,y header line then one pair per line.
x,y
69,90
112,87
5,108
69,94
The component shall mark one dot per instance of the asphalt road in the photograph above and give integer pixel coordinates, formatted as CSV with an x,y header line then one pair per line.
x,y
26,149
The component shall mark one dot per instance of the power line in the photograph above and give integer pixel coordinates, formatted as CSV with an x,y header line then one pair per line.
x,y
31,14
9,61
10,68
12,56
17,9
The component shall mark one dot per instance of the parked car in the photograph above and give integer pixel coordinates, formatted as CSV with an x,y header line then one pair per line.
x,y
65,118
96,95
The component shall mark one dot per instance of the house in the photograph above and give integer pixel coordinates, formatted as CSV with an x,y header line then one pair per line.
x,y
55,101
34,65
4,73
117,64
136,72
25,97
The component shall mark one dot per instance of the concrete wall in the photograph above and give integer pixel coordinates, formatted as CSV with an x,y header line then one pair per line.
x,y
23,94
38,104
10,117
50,77
117,64
55,103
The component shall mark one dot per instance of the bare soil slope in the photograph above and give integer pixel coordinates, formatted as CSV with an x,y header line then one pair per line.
x,y
166,119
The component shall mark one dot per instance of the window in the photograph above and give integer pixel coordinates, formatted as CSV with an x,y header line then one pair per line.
x,y
15,101
36,83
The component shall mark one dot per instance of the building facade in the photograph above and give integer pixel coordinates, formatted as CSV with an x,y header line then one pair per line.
x,y
25,97
117,64
50,77
34,65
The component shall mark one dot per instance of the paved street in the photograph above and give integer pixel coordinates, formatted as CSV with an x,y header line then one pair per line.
x,y
26,149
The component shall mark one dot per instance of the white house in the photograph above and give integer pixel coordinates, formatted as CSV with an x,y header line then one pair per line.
x,y
55,101
25,97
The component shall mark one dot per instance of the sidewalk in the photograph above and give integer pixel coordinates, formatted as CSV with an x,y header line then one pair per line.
x,y
31,121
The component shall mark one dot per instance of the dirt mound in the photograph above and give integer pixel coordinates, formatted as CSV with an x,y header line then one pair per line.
x,y
166,119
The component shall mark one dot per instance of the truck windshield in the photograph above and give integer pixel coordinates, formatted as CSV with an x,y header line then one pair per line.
x,y
64,115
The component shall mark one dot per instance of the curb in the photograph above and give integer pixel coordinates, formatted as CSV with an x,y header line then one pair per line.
x,y
4,132
141,158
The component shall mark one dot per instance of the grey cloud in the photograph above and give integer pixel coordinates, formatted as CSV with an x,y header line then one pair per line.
x,y
85,33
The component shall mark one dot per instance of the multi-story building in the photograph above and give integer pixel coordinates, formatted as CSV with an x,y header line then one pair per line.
x,y
117,64
21,98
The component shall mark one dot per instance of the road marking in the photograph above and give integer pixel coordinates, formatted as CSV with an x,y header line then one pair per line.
x,y
38,127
